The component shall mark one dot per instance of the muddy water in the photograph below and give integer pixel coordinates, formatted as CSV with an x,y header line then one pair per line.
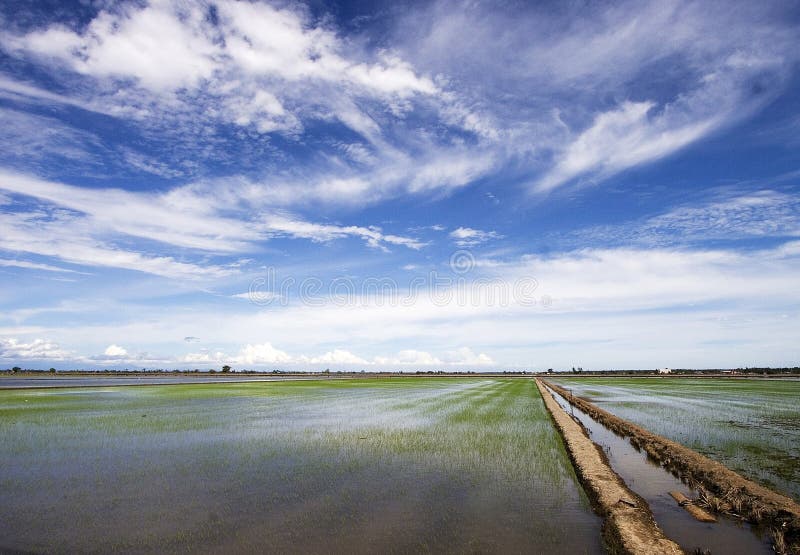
x,y
751,425
647,478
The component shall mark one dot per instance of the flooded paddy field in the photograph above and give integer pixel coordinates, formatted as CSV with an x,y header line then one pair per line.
x,y
389,465
751,425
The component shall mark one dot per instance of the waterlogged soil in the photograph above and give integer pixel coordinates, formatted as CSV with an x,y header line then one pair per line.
x,y
752,426
653,483
403,465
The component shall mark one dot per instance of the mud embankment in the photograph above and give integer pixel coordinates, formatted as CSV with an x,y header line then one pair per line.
x,y
629,526
725,490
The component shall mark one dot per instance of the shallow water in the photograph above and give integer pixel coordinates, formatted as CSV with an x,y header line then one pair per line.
x,y
67,381
653,483
752,426
363,466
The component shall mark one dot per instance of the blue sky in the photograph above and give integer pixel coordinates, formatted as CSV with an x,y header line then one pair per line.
x,y
404,186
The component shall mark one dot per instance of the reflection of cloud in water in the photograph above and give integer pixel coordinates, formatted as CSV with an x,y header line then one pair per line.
x,y
363,466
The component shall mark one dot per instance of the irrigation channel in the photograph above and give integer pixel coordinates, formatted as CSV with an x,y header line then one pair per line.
x,y
652,482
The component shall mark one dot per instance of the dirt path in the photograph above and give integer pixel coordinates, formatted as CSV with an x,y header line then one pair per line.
x,y
728,490
629,526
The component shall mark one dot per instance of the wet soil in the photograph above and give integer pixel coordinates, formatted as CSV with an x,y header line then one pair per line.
x,y
757,504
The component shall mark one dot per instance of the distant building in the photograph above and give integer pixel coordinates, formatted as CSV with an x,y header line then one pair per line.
x,y
664,371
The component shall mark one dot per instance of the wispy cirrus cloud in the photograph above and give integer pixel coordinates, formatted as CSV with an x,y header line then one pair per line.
x,y
432,114
729,215
622,138
583,93
84,226
202,141
35,266
468,237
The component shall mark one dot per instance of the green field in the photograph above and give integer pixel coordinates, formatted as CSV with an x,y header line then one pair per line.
x,y
750,425
373,465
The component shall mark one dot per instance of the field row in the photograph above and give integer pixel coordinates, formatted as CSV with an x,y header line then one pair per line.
x,y
356,466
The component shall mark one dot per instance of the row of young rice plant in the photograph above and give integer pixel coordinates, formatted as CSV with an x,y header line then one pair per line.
x,y
751,425
372,465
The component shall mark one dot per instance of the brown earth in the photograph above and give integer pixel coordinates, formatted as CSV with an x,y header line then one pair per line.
x,y
727,489
629,527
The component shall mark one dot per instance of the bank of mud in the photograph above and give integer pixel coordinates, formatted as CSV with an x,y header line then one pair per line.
x,y
629,527
722,489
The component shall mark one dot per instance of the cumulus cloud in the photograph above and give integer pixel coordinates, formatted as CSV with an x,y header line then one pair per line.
x,y
115,351
204,357
465,356
263,353
266,353
38,349
337,356
409,357
265,66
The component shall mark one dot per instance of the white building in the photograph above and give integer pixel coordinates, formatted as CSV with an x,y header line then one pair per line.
x,y
664,371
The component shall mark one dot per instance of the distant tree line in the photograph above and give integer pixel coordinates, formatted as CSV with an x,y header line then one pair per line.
x,y
754,370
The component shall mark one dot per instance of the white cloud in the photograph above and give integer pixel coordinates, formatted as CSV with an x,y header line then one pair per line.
x,y
373,236
66,237
258,296
37,349
204,357
595,295
761,213
35,140
34,266
523,93
468,237
81,226
191,217
258,62
25,92
410,357
266,69
465,356
266,353
603,87
623,138
263,353
730,215
338,356
158,47
115,351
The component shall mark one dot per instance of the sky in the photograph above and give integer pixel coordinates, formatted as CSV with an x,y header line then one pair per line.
x,y
399,185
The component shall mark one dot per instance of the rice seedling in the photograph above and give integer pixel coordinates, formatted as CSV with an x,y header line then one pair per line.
x,y
356,465
750,425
